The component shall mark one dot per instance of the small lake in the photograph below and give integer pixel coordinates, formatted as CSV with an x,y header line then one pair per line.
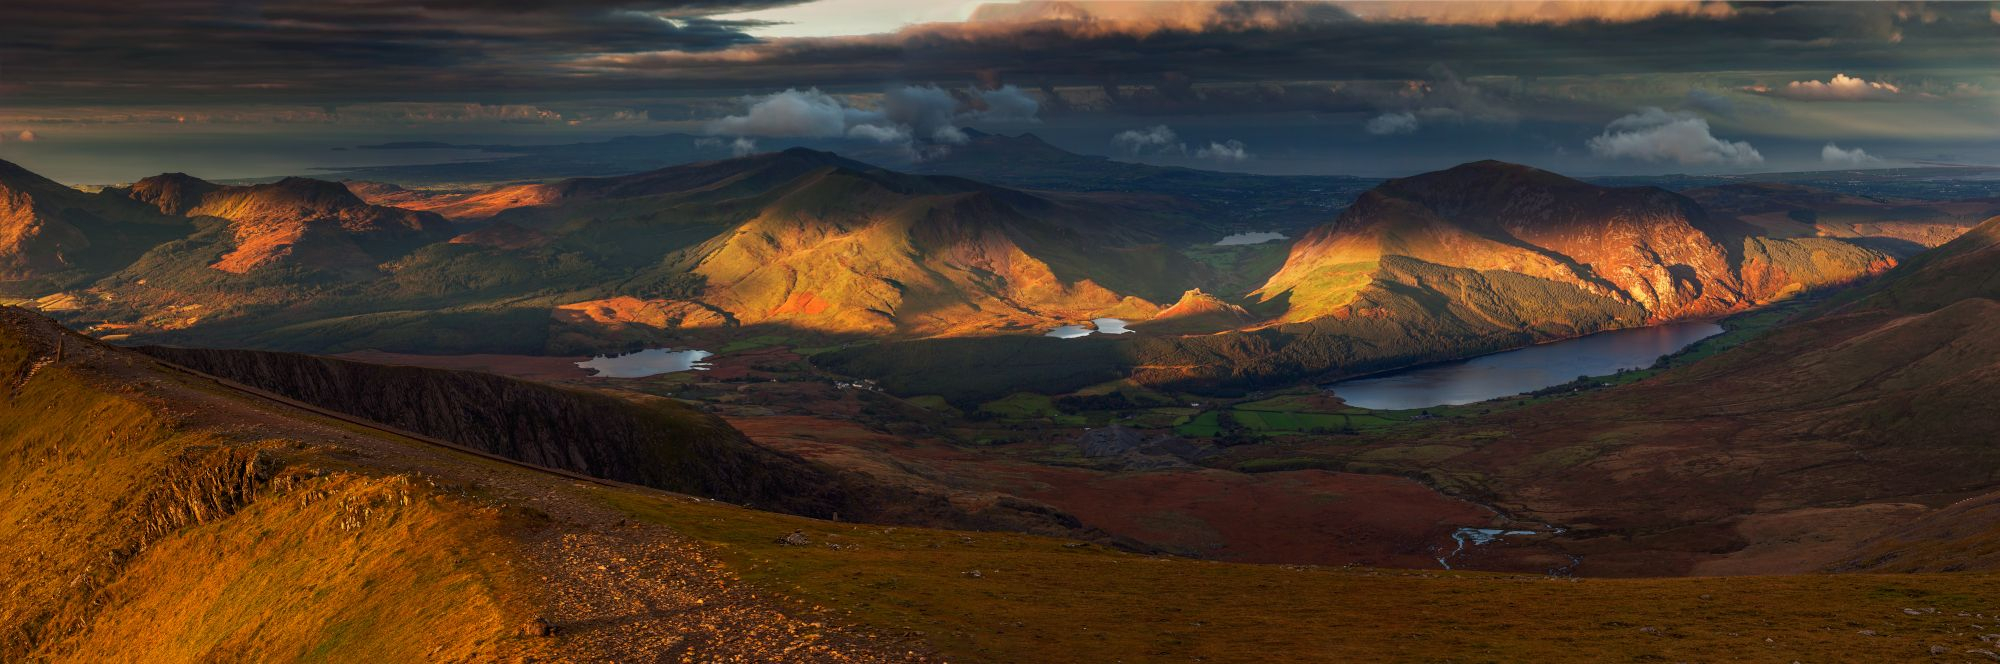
x,y
1096,326
1249,238
1521,370
650,362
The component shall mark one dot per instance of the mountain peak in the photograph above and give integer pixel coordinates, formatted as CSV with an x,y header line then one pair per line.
x,y
1196,302
171,193
1493,170
310,191
1491,190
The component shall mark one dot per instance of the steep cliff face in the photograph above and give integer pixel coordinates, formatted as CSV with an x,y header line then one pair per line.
x,y
654,442
661,444
1636,246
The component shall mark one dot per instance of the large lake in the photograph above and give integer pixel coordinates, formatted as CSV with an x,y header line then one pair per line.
x,y
1521,370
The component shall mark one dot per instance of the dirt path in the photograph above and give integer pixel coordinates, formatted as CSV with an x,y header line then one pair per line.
x,y
611,589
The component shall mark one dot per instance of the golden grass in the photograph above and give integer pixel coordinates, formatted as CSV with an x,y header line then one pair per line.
x,y
344,568
1038,600
124,537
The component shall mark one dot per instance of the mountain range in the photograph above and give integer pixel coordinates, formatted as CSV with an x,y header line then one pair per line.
x,y
1473,259
434,513
1457,262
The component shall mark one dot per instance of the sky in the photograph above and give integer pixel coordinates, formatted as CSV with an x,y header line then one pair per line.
x,y
96,91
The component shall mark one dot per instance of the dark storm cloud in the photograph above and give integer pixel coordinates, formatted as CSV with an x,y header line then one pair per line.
x,y
1388,71
1172,59
352,50
165,50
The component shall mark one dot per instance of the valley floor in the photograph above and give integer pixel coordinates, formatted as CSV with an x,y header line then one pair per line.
x,y
476,555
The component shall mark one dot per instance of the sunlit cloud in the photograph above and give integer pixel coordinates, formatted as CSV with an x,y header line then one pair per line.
x,y
1839,88
1833,154
1539,12
1657,135
848,18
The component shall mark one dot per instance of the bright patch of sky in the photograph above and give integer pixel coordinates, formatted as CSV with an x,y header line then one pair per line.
x,y
845,18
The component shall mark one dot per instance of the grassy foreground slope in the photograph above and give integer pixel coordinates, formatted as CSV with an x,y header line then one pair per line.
x,y
129,533
150,515
153,516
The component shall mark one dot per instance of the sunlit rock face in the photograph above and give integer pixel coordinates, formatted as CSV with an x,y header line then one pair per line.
x,y
1626,246
314,223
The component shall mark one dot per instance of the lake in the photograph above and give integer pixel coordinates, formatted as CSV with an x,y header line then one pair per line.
x,y
1096,326
1521,370
1249,238
650,362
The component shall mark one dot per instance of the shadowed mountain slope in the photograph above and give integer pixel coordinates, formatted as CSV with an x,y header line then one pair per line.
x,y
52,235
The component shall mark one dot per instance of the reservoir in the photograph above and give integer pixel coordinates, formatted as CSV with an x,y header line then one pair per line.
x,y
648,362
1521,370
1096,326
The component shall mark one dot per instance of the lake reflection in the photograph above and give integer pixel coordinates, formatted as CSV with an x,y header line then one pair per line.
x,y
1102,326
650,362
1522,370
